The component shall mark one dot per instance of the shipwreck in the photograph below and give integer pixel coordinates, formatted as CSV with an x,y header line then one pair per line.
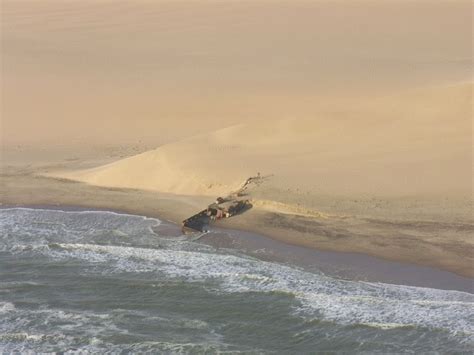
x,y
224,207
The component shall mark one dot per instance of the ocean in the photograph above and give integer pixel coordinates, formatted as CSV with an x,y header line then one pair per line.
x,y
95,281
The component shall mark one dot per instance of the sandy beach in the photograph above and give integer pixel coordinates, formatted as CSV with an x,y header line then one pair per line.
x,y
424,235
236,176
159,108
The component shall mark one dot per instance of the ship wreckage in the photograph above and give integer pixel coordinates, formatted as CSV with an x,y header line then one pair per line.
x,y
224,207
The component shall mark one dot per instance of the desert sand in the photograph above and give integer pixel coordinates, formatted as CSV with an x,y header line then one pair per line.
x,y
417,143
363,125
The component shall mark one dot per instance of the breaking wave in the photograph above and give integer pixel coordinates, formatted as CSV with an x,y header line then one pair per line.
x,y
107,243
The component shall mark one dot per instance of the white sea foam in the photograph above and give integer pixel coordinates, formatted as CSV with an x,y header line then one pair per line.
x,y
70,329
23,342
21,219
344,302
23,336
24,228
6,307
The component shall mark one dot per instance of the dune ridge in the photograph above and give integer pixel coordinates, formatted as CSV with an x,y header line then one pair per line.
x,y
415,143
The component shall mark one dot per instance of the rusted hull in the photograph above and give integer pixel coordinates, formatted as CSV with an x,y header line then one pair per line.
x,y
197,223
200,221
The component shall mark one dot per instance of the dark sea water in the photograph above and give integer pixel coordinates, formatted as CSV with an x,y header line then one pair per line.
x,y
101,281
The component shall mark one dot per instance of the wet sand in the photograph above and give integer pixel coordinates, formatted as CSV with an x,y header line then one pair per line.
x,y
349,266
438,244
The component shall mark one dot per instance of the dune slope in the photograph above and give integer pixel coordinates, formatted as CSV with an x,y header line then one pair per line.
x,y
414,143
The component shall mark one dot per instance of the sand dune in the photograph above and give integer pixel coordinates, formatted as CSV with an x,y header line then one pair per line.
x,y
414,143
318,94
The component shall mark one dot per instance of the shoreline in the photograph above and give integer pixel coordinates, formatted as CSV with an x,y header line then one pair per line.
x,y
406,242
341,265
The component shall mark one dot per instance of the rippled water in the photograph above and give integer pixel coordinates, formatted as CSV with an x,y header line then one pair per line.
x,y
96,281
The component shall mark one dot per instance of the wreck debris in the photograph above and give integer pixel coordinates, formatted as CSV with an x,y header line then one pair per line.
x,y
255,180
223,207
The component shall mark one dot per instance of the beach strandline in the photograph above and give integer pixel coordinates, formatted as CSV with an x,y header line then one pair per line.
x,y
343,265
